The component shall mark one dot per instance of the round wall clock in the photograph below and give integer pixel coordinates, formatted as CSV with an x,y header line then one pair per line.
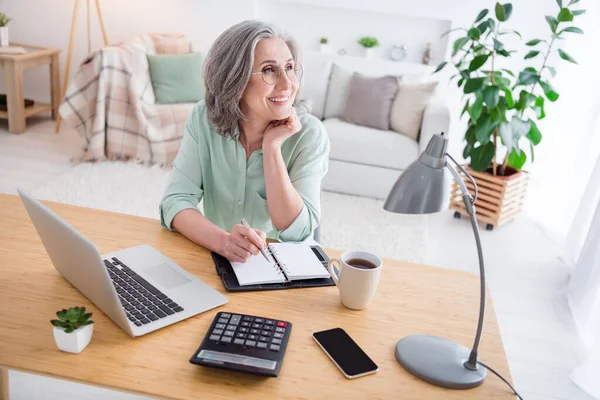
x,y
398,52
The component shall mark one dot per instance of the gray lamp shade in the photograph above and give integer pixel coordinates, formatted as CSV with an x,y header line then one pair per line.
x,y
419,190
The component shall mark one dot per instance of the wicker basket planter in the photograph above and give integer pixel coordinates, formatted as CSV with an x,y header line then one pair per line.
x,y
500,198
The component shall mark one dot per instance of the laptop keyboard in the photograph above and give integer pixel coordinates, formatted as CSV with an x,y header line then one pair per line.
x,y
143,303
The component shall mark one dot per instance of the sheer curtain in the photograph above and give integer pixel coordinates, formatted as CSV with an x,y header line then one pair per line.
x,y
583,290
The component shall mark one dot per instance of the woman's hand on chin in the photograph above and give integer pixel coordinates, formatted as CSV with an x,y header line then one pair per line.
x,y
278,131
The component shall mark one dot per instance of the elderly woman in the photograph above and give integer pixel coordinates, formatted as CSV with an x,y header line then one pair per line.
x,y
248,149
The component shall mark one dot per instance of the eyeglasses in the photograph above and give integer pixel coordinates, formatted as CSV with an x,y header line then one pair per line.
x,y
271,75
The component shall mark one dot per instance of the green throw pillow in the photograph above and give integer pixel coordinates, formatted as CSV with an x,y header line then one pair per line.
x,y
177,78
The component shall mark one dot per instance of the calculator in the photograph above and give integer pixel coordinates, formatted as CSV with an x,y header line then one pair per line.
x,y
245,343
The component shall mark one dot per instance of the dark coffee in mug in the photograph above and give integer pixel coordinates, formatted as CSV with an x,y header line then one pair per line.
x,y
360,263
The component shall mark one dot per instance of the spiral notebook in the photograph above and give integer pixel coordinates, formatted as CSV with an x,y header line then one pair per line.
x,y
291,261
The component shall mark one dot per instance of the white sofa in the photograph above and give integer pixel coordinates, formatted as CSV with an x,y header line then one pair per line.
x,y
366,161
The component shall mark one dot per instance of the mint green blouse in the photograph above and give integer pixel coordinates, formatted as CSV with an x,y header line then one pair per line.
x,y
214,168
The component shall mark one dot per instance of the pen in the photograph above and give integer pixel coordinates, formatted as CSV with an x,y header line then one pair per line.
x,y
264,253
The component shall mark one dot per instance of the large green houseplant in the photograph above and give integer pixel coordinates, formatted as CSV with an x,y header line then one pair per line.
x,y
503,105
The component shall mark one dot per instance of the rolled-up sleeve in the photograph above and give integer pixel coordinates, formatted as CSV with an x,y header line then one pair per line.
x,y
306,172
184,189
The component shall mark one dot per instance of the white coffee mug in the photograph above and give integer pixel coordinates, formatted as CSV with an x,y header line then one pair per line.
x,y
357,285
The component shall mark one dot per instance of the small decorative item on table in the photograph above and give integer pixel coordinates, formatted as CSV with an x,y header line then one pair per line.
x,y
428,55
369,43
324,45
73,330
398,52
4,20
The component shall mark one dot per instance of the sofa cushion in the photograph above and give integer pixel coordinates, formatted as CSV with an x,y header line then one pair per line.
x,y
370,101
177,78
408,107
315,79
363,145
337,92
171,43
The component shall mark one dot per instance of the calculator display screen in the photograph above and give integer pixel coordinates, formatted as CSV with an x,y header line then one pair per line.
x,y
222,358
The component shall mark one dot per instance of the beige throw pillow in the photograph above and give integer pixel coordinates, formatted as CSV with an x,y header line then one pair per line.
x,y
408,107
171,43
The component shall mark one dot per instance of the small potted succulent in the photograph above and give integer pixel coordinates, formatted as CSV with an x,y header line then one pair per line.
x,y
73,330
324,45
369,43
4,29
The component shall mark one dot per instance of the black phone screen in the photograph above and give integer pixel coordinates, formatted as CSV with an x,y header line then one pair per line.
x,y
344,351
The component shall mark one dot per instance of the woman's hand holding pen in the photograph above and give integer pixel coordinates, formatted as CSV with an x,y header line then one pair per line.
x,y
243,242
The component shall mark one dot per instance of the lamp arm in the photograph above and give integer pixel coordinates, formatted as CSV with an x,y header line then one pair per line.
x,y
467,175
471,363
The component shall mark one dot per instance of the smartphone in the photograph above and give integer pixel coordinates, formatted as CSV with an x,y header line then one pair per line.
x,y
345,353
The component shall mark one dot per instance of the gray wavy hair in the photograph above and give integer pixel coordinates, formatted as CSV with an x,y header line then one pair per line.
x,y
228,68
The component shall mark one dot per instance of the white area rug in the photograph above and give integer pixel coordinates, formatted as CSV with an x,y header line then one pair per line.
x,y
348,222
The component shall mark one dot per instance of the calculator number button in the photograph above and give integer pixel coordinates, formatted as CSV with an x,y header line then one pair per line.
x,y
225,339
214,337
254,331
278,335
261,345
280,330
217,331
220,326
230,327
235,319
276,341
257,326
250,343
239,341
274,347
228,333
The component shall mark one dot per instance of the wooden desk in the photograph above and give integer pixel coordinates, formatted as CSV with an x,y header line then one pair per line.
x,y
13,65
411,299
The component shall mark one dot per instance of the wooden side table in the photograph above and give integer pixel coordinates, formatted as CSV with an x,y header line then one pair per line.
x,y
13,65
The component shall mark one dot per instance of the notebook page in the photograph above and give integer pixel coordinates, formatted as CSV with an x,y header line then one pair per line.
x,y
257,271
300,261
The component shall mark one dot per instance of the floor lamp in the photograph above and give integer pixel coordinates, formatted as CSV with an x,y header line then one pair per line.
x,y
72,39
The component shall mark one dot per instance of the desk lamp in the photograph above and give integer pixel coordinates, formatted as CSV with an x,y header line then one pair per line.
x,y
420,190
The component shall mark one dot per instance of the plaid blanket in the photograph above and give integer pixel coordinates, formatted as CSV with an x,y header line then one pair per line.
x,y
110,102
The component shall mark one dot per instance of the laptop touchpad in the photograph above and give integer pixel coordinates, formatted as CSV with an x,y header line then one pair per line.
x,y
166,276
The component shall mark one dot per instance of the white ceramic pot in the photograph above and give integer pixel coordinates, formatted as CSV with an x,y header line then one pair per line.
x,y
4,36
75,341
369,52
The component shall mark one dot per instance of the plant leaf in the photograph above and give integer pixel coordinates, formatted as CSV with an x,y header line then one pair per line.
x,y
69,329
565,56
450,30
552,22
475,111
538,107
534,133
559,3
481,15
511,31
465,108
572,29
491,96
525,100
478,62
474,84
517,158
62,314
459,43
532,151
474,34
519,127
499,12
491,23
506,135
440,67
498,45
527,77
72,314
467,151
59,323
470,135
549,91
85,317
573,2
509,98
482,156
503,53
565,15
483,26
508,72
552,71
507,11
577,12
531,54
534,42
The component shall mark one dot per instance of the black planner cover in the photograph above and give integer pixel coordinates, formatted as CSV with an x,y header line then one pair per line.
x,y
225,271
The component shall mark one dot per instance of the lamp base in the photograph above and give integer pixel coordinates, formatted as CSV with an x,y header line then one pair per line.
x,y
438,361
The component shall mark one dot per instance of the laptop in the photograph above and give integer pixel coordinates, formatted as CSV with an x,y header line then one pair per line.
x,y
139,288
